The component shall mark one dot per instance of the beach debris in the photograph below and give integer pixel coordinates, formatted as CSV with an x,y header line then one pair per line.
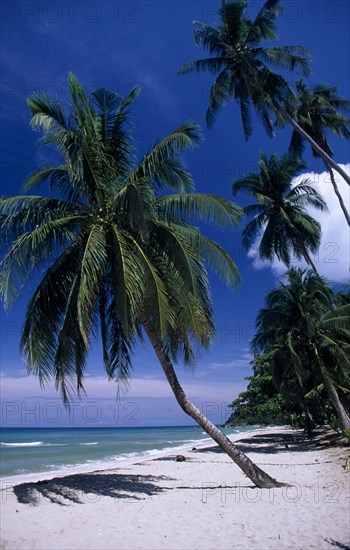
x,y
180,458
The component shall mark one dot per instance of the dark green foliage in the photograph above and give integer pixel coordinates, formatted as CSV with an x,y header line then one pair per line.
x,y
302,349
279,212
306,327
243,65
244,70
261,403
317,110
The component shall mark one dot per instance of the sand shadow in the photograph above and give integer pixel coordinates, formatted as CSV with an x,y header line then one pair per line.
x,y
273,443
270,444
337,544
89,487
277,443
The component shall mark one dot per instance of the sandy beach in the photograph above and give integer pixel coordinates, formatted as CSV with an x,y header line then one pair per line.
x,y
204,502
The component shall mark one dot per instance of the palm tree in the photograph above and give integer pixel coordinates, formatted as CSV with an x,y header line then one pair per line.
x,y
244,68
317,109
280,210
309,334
119,255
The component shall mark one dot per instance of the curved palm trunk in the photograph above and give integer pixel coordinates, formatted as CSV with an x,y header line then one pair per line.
x,y
308,258
255,474
325,157
345,402
337,192
333,394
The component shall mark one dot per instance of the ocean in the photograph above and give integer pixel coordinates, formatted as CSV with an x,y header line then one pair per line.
x,y
41,450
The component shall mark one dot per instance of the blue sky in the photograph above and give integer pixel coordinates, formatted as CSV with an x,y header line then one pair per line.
x,y
117,44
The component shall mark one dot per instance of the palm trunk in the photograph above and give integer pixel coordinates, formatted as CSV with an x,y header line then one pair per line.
x,y
255,474
333,394
342,414
337,192
325,157
307,258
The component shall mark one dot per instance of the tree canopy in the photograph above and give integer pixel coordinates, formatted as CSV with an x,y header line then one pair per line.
x,y
113,247
307,331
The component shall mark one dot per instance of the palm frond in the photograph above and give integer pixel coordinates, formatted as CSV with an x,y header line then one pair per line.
x,y
156,164
116,342
337,319
233,25
252,230
210,64
287,57
126,278
93,266
47,114
120,143
263,27
304,194
133,203
273,243
45,312
213,254
209,208
156,304
220,93
208,37
31,250
70,350
250,184
243,97
296,146
82,110
180,255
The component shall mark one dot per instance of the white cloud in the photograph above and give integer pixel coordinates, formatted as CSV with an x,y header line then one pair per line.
x,y
149,402
241,362
333,257
100,388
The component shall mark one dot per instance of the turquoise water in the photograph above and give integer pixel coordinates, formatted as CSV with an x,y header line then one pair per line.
x,y
27,450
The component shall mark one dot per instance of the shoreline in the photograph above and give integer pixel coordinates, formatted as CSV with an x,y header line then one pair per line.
x,y
203,502
121,462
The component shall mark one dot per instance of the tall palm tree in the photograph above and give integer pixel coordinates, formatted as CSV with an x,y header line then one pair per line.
x,y
280,210
244,68
119,255
318,109
309,334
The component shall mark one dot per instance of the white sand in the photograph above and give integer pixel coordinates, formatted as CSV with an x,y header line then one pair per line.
x,y
203,503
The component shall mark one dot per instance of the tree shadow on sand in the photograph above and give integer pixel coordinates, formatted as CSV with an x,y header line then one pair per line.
x,y
89,487
273,443
337,544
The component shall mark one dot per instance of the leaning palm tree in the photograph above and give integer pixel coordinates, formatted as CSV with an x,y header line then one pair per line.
x,y
119,255
244,68
317,110
279,212
309,335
